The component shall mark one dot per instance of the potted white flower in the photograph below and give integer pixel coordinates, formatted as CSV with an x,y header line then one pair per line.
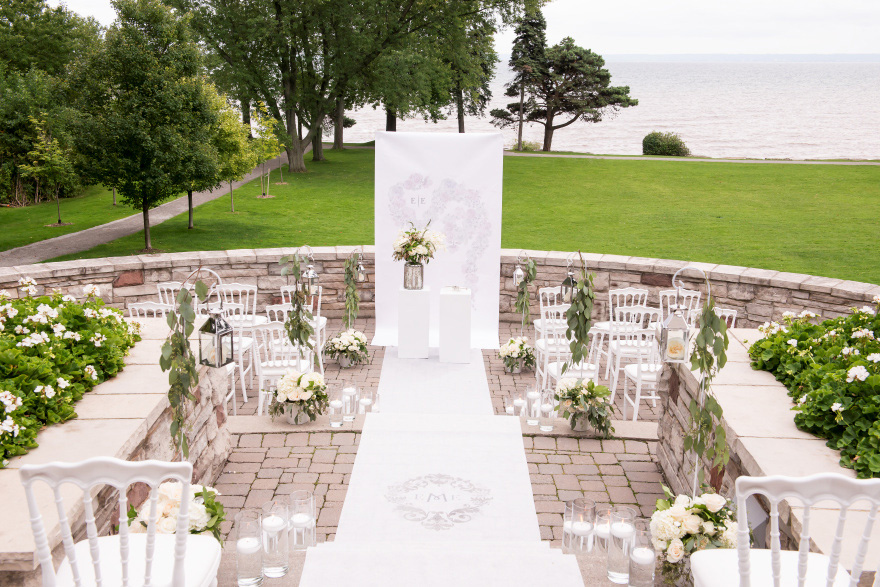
x,y
585,405
517,354
205,513
349,348
300,397
416,247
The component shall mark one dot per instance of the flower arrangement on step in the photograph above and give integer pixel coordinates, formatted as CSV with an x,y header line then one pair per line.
x,y
348,347
417,247
205,512
682,525
517,354
585,404
299,396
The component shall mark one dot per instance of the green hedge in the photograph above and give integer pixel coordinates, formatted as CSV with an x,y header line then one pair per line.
x,y
832,372
53,350
668,144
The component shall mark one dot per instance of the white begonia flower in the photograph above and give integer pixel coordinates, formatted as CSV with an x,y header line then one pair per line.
x,y
858,372
713,501
63,383
807,314
877,299
792,342
91,372
68,298
8,426
788,314
874,357
802,401
675,551
836,407
10,401
867,310
90,313
846,351
98,339
91,290
863,333
45,390
58,328
4,294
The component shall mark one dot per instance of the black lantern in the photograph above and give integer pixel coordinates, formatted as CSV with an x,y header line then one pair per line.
x,y
309,280
216,341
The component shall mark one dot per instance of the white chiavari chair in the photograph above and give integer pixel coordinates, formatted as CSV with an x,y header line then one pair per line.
x,y
242,349
688,301
318,322
559,354
746,566
127,558
168,292
617,298
728,315
622,348
148,310
275,356
644,372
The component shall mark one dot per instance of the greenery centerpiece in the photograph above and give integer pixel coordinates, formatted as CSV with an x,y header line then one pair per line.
x,y
517,354
585,404
832,372
349,348
416,247
299,396
205,512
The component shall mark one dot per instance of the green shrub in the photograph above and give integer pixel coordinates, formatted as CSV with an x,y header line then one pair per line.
x,y
668,144
53,349
527,146
832,372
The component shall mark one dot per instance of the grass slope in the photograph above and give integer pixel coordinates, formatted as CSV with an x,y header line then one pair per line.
x,y
22,226
817,219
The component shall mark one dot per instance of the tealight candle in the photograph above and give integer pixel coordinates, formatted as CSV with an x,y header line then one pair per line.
x,y
533,395
273,524
602,530
248,545
349,390
509,410
642,555
365,401
546,408
519,402
622,530
336,404
566,527
581,528
302,520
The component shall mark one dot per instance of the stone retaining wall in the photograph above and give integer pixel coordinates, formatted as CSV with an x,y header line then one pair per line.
x,y
758,295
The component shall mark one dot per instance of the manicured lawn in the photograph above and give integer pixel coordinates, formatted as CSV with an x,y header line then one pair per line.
x,y
22,226
817,219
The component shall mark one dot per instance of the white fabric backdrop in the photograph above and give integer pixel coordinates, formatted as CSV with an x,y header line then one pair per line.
x,y
453,180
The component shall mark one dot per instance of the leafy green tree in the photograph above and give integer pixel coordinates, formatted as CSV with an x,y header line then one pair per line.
x,y
35,35
50,164
470,53
572,83
265,145
527,60
234,148
143,105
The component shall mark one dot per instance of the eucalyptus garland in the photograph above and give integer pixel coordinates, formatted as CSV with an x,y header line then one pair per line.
x,y
522,291
705,435
298,325
352,299
178,359
579,316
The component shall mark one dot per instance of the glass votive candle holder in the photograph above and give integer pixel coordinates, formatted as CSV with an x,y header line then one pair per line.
x,y
548,410
519,403
533,406
274,523
302,520
366,401
602,530
578,523
642,559
335,405
623,529
349,401
248,548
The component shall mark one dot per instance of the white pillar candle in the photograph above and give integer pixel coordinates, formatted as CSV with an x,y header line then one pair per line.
x,y
273,524
622,530
302,520
581,528
643,556
248,545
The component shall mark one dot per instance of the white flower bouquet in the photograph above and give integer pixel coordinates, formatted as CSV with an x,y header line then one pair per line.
x,y
417,246
517,352
348,347
305,392
682,526
583,402
205,513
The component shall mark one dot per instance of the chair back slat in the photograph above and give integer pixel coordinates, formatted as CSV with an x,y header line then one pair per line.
x,y
278,312
728,315
239,293
92,535
688,301
168,291
809,491
623,297
100,472
148,309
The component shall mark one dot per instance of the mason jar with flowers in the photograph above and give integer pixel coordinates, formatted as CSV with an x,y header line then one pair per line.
x,y
205,512
585,405
300,397
517,354
349,348
416,247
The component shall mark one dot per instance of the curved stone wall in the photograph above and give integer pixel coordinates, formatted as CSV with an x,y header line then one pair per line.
x,y
757,294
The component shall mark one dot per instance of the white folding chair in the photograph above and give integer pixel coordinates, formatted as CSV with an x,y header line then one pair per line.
x,y
622,347
728,315
275,356
148,310
688,302
126,558
644,372
617,298
747,566
559,354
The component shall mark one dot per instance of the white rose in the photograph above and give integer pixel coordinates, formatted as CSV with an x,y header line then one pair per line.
x,y
683,501
675,551
708,528
691,524
198,517
306,395
713,501
728,537
171,491
166,525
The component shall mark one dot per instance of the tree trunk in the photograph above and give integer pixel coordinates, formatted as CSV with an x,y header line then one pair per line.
x,y
147,243
318,145
58,204
548,135
459,106
231,198
390,120
522,98
189,197
246,115
280,172
339,126
114,196
262,175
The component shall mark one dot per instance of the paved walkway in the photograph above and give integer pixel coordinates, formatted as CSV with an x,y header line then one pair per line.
x,y
84,240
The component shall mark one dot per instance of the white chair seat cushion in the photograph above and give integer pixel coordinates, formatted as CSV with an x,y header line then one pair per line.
x,y
720,568
601,327
583,371
539,324
627,348
648,374
239,320
547,345
201,562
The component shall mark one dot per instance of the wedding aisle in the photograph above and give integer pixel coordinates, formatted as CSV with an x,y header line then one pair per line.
x,y
440,491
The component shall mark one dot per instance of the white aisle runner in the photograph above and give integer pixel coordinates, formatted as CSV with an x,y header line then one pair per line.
x,y
440,493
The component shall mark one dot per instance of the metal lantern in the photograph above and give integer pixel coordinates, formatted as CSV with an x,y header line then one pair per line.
x,y
360,272
674,338
568,285
518,276
309,280
216,340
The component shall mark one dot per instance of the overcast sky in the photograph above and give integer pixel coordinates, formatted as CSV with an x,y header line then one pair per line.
x,y
687,26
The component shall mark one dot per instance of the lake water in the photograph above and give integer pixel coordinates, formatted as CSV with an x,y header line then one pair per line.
x,y
722,109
